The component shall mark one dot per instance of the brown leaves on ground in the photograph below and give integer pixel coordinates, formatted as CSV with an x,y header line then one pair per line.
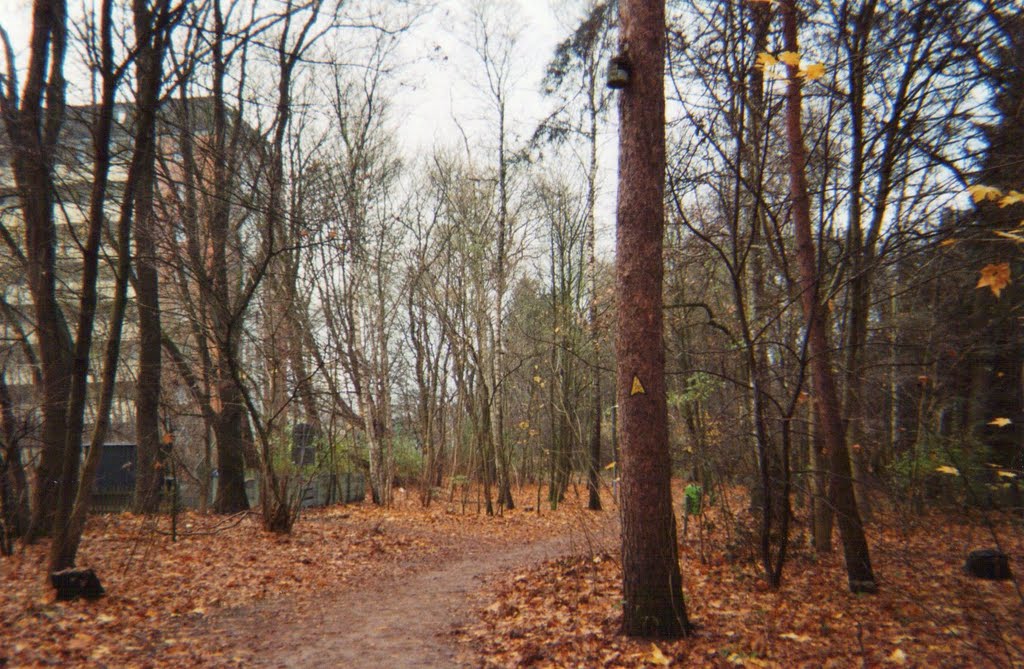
x,y
564,613
928,613
159,591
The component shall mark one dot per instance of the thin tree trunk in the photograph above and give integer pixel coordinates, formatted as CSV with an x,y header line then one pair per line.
x,y
149,474
141,172
594,478
498,360
14,488
821,507
64,546
855,547
33,128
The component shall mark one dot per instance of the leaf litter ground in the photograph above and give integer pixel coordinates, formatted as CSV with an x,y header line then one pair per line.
x,y
928,612
414,587
225,593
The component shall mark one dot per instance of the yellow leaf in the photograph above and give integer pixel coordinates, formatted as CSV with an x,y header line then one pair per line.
x,y
1006,474
948,242
946,469
1011,236
897,657
524,425
537,379
610,465
1013,197
790,58
657,657
792,636
980,193
814,71
995,276
765,60
1000,422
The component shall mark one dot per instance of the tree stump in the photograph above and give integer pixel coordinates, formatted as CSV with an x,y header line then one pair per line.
x,y
988,563
74,583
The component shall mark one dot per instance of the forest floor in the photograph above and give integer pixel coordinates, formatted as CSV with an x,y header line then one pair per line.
x,y
448,586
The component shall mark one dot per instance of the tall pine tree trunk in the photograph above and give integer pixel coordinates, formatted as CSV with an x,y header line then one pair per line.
x,y
653,602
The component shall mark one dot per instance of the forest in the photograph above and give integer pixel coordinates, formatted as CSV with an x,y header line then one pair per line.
x,y
696,332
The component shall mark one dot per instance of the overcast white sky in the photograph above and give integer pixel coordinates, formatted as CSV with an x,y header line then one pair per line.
x,y
444,88
437,89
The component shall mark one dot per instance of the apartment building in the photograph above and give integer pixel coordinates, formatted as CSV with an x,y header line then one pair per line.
x,y
74,178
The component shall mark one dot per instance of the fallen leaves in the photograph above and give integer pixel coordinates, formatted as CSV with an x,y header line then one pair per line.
x,y
161,593
564,613
799,638
897,657
928,612
657,657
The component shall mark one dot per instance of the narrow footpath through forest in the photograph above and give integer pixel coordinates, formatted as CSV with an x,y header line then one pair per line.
x,y
406,619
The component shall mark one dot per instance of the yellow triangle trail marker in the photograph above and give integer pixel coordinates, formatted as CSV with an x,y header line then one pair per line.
x,y
638,388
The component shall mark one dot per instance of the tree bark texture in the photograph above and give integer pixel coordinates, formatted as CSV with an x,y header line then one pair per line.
x,y
14,507
149,472
33,124
229,430
652,589
851,530
594,477
64,546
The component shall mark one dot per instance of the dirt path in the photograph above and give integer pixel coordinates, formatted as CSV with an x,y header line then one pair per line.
x,y
403,620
